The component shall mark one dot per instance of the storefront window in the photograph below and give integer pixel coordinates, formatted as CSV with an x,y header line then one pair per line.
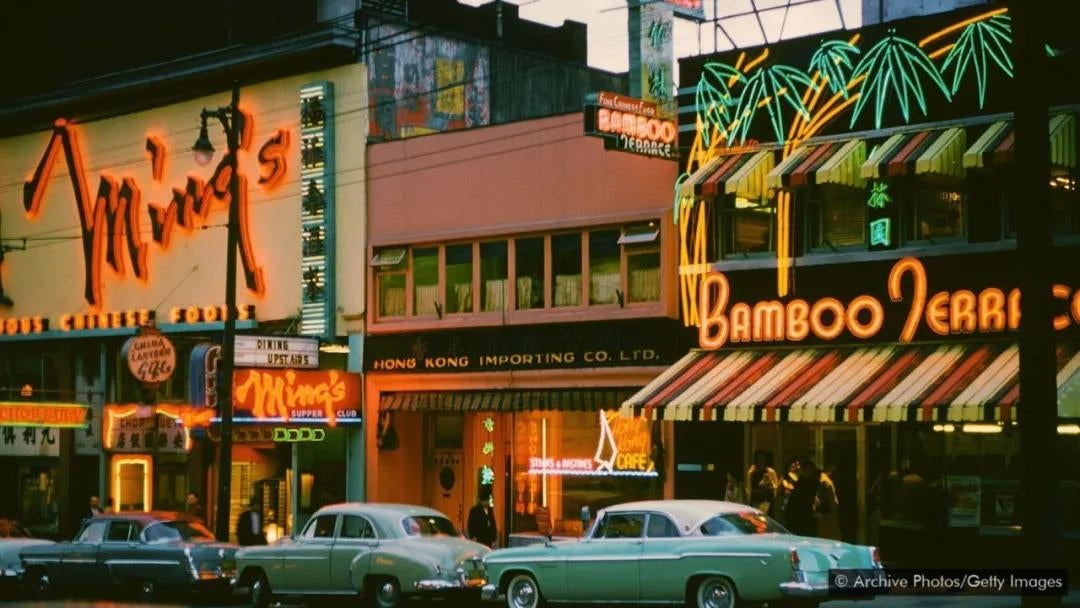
x,y
390,267
459,275
493,274
567,461
643,279
605,278
529,270
425,280
746,226
937,210
566,268
836,217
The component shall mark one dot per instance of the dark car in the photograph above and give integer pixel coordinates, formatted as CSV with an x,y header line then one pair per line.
x,y
146,553
13,539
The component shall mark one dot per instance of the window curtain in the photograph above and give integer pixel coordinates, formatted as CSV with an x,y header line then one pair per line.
x,y
568,290
603,288
495,295
644,285
393,302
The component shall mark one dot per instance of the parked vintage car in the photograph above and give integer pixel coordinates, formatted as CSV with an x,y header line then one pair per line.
x,y
704,553
13,538
146,553
383,552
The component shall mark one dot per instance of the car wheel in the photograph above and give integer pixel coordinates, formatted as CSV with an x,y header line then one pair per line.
x,y
523,592
40,584
716,592
147,589
259,592
386,593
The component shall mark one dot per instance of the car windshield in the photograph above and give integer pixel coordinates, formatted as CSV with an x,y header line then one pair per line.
x,y
429,525
10,529
177,530
743,522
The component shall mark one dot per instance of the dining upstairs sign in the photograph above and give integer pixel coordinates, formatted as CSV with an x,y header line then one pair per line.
x,y
906,310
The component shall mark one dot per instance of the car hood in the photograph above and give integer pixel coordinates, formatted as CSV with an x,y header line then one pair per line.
x,y
445,550
528,551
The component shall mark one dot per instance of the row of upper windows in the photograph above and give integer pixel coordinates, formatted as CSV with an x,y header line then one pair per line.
x,y
899,211
607,266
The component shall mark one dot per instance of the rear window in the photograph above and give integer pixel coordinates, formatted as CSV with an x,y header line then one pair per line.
x,y
11,529
429,525
745,522
177,530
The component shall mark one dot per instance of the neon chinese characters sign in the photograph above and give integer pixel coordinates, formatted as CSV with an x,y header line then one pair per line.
x,y
111,219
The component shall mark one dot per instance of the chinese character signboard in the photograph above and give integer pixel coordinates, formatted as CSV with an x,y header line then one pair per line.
x,y
151,428
881,221
317,309
631,125
29,441
32,429
652,52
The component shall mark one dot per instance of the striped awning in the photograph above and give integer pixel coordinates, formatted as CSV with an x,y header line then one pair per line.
x,y
995,145
828,163
590,400
919,152
966,382
740,174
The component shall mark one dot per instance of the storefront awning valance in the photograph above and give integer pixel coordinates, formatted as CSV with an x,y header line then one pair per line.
x,y
829,163
966,382
995,146
590,400
937,152
738,174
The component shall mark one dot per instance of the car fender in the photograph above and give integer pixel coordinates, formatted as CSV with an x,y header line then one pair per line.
x,y
405,567
359,568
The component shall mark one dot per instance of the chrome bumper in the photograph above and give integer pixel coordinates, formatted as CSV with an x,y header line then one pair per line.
x,y
442,584
801,589
489,592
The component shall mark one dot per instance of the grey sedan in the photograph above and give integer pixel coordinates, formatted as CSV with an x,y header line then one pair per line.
x,y
146,553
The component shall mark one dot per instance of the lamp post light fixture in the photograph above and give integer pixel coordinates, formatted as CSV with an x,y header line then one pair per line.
x,y
232,122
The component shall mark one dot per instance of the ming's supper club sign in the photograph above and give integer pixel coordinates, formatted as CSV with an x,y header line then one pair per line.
x,y
906,300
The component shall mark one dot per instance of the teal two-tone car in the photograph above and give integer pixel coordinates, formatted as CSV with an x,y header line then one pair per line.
x,y
702,553
383,553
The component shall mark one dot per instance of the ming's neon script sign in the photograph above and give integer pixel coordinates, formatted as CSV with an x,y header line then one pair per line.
x,y
110,220
285,394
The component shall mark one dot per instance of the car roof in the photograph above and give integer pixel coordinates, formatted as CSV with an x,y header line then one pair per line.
x,y
147,517
684,512
382,508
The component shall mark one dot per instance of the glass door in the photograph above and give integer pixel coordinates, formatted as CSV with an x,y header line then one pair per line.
x,y
840,461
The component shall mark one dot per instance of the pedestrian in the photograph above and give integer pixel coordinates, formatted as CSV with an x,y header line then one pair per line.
x,y
194,508
761,483
481,525
801,512
787,484
828,507
733,491
94,508
249,530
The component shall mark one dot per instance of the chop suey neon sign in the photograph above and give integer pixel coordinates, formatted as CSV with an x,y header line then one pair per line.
x,y
957,312
111,220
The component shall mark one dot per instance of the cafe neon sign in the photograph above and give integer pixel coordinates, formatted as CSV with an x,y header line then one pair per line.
x,y
957,312
623,450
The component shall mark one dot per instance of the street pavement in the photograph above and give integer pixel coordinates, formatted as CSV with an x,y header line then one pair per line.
x,y
1072,601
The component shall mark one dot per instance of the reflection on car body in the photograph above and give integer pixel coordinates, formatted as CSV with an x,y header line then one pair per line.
x,y
142,552
383,552
705,553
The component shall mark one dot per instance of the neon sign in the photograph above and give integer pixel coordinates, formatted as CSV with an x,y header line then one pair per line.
x,y
282,395
106,320
623,450
209,314
298,435
110,221
631,125
945,313
59,415
152,424
15,326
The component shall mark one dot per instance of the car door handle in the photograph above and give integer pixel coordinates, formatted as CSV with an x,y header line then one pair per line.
x,y
638,542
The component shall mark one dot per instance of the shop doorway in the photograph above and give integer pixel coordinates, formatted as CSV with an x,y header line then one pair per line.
x,y
446,479
840,461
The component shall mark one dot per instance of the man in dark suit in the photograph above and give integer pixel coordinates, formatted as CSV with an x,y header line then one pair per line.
x,y
481,524
93,509
249,526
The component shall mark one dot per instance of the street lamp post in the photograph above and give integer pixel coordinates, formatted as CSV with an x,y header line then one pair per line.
x,y
232,122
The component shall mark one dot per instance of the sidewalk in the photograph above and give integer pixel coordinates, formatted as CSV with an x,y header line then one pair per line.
x,y
944,601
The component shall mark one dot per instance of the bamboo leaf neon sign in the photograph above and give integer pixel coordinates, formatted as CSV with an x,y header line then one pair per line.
x,y
893,66
979,44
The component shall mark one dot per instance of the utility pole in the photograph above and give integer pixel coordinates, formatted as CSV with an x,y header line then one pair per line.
x,y
1040,504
